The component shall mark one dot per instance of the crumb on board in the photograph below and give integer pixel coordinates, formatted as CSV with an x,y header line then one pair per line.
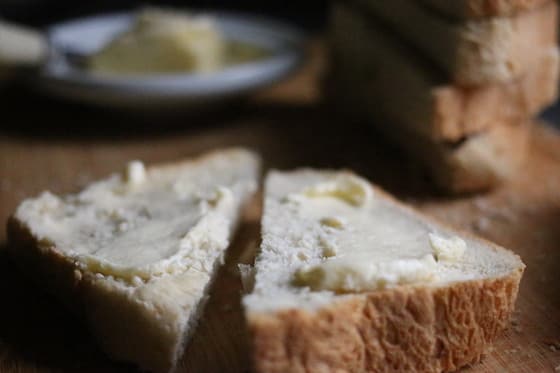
x,y
557,369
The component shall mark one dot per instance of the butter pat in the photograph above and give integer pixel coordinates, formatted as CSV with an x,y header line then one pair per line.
x,y
160,41
351,275
348,188
135,173
333,222
447,249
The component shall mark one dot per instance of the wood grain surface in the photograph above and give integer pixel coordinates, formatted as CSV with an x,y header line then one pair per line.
x,y
45,144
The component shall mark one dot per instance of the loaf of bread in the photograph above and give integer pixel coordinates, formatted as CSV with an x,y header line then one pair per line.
x,y
349,280
471,52
134,254
377,74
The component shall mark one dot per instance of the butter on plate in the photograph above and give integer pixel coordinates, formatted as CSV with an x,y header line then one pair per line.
x,y
165,41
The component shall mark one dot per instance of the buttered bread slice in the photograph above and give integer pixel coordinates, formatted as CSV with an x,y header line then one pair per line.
x,y
348,279
134,254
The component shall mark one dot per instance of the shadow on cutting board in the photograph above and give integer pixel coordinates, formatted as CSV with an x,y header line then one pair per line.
x,y
39,334
220,342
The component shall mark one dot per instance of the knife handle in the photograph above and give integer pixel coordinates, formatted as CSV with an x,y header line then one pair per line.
x,y
21,46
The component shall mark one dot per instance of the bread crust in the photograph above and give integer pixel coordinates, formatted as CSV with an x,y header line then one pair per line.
x,y
408,329
403,329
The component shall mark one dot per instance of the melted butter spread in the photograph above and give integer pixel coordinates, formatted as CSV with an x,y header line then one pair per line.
x,y
347,188
141,223
366,245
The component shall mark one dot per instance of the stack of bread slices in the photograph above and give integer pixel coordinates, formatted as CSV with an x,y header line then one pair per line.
x,y
453,82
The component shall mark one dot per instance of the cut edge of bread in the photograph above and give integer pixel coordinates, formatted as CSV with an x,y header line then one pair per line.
x,y
94,301
470,52
478,162
404,328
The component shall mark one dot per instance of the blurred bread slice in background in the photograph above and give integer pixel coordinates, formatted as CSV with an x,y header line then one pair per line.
x,y
478,162
471,52
388,80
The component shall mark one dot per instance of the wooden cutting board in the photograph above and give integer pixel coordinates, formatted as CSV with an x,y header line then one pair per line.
x,y
286,125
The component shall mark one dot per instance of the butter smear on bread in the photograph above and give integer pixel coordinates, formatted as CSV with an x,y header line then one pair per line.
x,y
362,246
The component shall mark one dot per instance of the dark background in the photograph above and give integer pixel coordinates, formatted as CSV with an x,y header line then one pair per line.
x,y
309,14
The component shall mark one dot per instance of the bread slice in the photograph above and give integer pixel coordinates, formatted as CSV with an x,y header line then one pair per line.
x,y
472,52
350,280
386,79
462,9
476,163
134,254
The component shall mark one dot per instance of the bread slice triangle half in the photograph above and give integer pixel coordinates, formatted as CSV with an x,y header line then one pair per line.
x,y
349,279
134,254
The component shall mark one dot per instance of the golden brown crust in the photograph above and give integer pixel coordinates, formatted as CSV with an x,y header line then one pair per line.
x,y
404,329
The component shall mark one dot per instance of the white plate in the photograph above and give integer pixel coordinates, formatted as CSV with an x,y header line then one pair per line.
x,y
58,77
